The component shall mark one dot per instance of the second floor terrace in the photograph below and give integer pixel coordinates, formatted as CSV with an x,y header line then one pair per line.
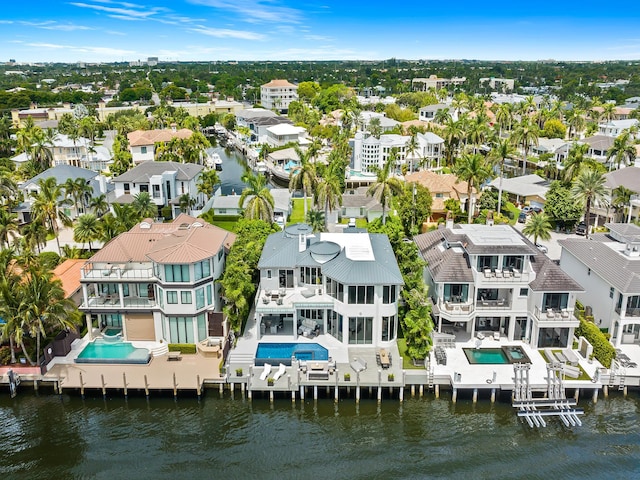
x,y
111,271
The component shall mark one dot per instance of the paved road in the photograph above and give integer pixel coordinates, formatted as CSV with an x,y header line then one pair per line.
x,y
552,245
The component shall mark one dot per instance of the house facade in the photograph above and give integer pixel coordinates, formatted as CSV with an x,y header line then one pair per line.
x,y
442,186
158,281
278,94
142,143
369,152
490,279
608,266
343,285
165,182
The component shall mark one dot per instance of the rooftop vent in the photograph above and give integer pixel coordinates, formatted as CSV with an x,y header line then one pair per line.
x,y
183,226
145,225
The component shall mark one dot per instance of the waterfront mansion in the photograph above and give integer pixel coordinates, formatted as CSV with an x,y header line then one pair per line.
x,y
344,285
489,280
158,281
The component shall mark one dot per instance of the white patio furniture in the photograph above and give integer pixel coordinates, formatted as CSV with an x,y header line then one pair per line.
x,y
281,370
265,373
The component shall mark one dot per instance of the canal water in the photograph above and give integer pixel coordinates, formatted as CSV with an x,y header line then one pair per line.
x,y
67,437
233,166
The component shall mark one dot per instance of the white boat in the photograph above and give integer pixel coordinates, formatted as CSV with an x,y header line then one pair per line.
x,y
214,161
261,167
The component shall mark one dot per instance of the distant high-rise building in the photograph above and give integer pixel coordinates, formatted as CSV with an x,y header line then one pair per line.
x,y
152,61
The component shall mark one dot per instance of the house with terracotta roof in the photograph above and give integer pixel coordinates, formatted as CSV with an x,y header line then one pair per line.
x,y
278,94
68,272
142,143
442,188
490,280
157,282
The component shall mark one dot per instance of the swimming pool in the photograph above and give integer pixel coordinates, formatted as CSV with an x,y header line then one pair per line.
x,y
496,356
100,351
282,352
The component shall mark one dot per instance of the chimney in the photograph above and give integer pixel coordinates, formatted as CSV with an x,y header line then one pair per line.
x,y
173,127
302,242
449,221
489,220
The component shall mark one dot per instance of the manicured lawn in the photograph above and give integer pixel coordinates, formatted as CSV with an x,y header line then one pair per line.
x,y
407,363
360,222
227,225
297,212
514,211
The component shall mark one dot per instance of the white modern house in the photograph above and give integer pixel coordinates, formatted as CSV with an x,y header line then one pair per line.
x,y
157,282
488,280
165,182
278,94
608,266
142,143
342,285
258,120
283,133
230,204
369,152
386,124
615,127
428,113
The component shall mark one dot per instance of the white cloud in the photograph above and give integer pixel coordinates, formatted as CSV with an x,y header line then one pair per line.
x,y
6,22
318,38
129,12
258,11
227,33
102,51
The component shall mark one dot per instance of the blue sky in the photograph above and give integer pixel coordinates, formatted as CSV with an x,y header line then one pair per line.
x,y
182,30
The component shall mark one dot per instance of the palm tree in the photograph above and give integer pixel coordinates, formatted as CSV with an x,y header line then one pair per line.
x,y
576,121
44,307
502,150
144,206
303,177
576,161
99,205
329,194
34,236
8,226
260,206
473,169
385,185
621,198
87,229
47,206
186,203
207,182
538,226
412,147
78,190
588,188
316,220
622,150
453,133
526,134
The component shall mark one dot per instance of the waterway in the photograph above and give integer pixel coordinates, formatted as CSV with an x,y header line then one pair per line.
x,y
52,437
233,166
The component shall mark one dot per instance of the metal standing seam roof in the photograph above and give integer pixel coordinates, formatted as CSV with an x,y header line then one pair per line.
x,y
282,252
621,272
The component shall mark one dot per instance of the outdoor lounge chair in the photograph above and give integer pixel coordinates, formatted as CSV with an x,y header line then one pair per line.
x,y
280,372
265,373
496,335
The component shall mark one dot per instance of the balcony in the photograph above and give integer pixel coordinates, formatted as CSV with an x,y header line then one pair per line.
x,y
502,276
110,272
628,312
455,309
554,315
498,304
109,302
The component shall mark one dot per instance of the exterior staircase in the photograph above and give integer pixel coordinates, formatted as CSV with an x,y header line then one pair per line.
x,y
160,349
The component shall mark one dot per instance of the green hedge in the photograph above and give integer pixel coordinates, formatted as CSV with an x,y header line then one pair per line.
x,y
602,349
186,348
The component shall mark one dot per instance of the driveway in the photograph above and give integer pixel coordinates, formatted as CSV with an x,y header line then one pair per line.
x,y
554,248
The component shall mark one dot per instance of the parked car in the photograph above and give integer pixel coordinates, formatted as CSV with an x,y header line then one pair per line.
x,y
581,229
536,209
542,248
352,222
522,218
526,210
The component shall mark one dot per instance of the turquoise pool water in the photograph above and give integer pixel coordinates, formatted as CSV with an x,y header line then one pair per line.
x,y
100,351
282,352
486,356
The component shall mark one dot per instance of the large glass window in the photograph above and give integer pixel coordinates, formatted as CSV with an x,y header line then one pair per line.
x,y
176,273
361,294
360,330
172,296
285,278
334,324
202,270
553,337
487,262
556,301
202,327
389,294
185,297
161,297
513,262
209,295
335,289
310,275
456,292
181,329
200,298
388,328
